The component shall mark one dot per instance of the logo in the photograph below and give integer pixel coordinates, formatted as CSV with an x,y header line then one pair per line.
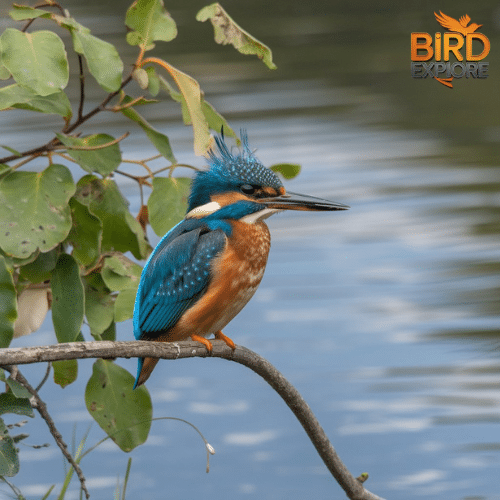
x,y
461,39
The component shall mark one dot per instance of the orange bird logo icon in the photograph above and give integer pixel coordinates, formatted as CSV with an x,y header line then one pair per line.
x,y
459,26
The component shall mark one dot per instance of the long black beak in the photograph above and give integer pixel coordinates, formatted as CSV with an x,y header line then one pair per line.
x,y
295,201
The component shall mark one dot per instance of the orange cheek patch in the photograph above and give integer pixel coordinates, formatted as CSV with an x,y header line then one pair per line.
x,y
224,199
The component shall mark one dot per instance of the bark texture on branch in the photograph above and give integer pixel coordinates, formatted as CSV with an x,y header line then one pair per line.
x,y
188,349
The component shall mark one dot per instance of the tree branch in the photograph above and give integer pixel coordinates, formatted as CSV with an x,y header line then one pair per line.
x,y
188,349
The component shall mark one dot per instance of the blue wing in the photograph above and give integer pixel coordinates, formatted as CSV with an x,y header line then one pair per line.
x,y
175,276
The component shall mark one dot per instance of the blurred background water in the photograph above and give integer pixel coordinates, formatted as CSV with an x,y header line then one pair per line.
x,y
385,317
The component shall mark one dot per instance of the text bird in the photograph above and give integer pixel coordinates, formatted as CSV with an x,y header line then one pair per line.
x,y
206,268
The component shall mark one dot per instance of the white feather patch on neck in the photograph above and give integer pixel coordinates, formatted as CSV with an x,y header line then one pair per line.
x,y
201,211
260,215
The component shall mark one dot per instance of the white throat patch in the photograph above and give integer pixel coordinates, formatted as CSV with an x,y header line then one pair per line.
x,y
201,211
260,215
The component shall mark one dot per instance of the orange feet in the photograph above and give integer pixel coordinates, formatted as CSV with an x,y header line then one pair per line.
x,y
202,340
220,336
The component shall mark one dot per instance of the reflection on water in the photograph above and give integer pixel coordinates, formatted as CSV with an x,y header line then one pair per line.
x,y
385,317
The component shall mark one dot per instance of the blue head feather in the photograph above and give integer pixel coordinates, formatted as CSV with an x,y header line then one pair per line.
x,y
229,171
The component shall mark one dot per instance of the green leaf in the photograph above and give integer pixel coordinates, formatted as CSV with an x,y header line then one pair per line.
x,y
34,211
23,12
11,404
216,121
10,150
227,31
15,96
159,140
65,371
110,333
41,268
9,461
287,170
191,93
101,160
153,81
120,231
17,389
123,413
123,275
124,305
167,203
67,299
36,60
120,273
8,304
150,22
4,72
86,233
102,58
99,304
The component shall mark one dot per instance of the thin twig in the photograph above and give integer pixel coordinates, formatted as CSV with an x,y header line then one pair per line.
x,y
188,349
82,87
38,6
55,141
44,379
141,180
97,146
41,407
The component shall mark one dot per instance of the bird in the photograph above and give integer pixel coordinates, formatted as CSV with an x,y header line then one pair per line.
x,y
207,267
459,26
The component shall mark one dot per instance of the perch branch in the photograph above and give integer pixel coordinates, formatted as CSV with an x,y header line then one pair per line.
x,y
188,349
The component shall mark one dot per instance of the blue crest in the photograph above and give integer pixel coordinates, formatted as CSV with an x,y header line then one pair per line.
x,y
229,171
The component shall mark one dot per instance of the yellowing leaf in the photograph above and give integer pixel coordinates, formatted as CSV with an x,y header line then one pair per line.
x,y
227,31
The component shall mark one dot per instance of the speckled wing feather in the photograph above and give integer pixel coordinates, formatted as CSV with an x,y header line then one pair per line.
x,y
175,276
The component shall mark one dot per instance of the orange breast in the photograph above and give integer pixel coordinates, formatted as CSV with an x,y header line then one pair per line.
x,y
237,273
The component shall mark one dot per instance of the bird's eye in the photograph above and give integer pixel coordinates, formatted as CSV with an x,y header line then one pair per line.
x,y
247,189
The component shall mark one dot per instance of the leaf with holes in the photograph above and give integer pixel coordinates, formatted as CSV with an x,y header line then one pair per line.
x,y
123,413
167,203
227,31
34,211
36,60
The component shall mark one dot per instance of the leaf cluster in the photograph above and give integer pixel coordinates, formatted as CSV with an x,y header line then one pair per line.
x,y
69,245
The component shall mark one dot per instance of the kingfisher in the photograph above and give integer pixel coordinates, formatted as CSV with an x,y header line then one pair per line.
x,y
206,268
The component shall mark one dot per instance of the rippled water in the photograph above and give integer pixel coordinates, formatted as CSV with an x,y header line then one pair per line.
x,y
385,317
